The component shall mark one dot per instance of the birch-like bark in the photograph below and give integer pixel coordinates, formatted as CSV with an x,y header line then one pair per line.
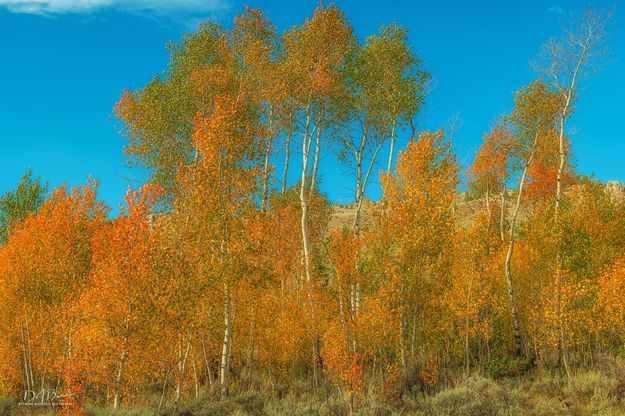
x,y
225,353
511,298
306,247
467,356
287,157
122,365
29,353
488,210
502,213
568,99
362,181
303,197
27,380
392,150
209,373
195,377
182,365
315,168
266,177
163,389
266,165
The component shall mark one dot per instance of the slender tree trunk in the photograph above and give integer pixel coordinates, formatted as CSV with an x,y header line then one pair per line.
x,y
195,377
182,365
568,98
413,339
561,163
225,354
303,197
29,355
502,214
315,168
392,150
306,246
488,209
266,176
209,373
351,402
513,310
359,189
402,343
362,181
123,357
163,388
287,157
27,381
267,165
467,356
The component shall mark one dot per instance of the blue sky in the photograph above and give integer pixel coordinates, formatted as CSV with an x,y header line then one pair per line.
x,y
65,62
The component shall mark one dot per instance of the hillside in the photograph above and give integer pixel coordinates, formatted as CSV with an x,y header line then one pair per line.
x,y
466,209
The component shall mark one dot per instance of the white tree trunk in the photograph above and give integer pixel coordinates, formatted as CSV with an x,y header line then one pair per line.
x,y
303,198
513,310
182,365
315,168
266,176
121,366
287,157
225,353
502,213
392,150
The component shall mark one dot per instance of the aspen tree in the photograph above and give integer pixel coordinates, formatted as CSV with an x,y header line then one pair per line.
x,y
316,54
418,226
565,63
533,118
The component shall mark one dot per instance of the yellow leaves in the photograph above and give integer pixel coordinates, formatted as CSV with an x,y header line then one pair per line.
x,y
90,291
378,323
418,200
345,366
429,373
316,53
610,307
492,162
45,268
113,308
425,173
226,172
282,333
345,249
536,107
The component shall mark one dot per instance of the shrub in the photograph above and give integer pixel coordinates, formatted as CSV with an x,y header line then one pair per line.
x,y
498,367
6,405
473,396
374,407
250,403
133,411
591,390
614,368
289,406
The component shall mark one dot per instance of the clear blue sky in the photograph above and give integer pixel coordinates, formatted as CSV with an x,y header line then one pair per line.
x,y
65,62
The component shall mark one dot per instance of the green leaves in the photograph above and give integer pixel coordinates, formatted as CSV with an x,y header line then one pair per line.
x,y
16,205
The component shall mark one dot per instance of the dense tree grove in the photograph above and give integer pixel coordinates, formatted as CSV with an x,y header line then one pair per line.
x,y
219,276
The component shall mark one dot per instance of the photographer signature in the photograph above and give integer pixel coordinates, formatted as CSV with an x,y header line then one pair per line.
x,y
43,397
